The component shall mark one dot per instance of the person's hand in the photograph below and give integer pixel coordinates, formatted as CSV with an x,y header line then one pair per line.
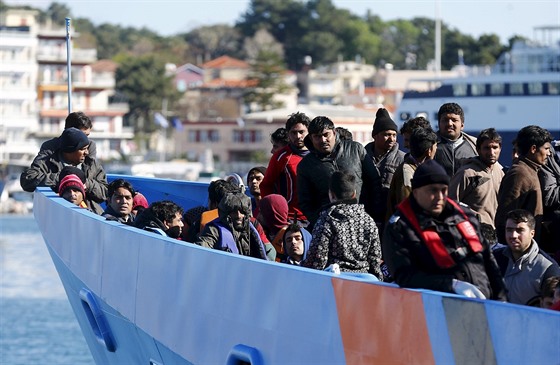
x,y
334,268
467,289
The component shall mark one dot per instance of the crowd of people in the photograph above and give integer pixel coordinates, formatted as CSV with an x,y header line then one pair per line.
x,y
444,215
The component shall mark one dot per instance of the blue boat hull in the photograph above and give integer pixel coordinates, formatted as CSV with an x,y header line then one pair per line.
x,y
142,298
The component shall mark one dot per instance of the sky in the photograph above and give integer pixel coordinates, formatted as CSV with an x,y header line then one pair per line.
x,y
473,17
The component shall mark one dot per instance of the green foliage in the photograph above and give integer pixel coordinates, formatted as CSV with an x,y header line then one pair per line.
x,y
57,12
143,81
315,28
267,69
209,42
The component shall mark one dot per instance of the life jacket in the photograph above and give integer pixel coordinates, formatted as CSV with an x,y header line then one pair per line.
x,y
433,242
227,242
206,217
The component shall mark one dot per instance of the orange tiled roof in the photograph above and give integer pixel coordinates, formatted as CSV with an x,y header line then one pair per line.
x,y
230,83
225,62
104,66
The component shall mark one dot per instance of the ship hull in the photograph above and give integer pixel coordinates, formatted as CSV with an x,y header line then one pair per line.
x,y
142,298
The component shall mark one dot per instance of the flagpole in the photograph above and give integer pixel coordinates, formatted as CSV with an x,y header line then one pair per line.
x,y
69,64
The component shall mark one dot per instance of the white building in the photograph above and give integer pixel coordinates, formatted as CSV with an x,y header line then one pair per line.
x,y
330,84
18,85
34,90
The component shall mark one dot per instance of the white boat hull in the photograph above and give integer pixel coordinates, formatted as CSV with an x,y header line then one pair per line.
x,y
162,301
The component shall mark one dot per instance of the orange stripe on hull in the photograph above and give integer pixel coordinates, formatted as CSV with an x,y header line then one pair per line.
x,y
395,330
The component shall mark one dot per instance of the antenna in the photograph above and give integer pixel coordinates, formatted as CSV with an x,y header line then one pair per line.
x,y
69,64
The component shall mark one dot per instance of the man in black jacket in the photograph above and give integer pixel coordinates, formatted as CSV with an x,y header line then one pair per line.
x,y
328,154
77,120
72,151
454,145
433,242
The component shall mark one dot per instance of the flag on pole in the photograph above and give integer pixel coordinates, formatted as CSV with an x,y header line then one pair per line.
x,y
160,120
177,124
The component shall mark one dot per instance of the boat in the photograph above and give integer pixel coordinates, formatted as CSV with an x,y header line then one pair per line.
x,y
521,89
141,298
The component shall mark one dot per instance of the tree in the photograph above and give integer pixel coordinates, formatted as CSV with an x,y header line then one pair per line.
x,y
58,12
213,41
267,70
144,82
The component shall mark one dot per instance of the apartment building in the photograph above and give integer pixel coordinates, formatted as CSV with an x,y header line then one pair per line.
x,y
34,90
18,84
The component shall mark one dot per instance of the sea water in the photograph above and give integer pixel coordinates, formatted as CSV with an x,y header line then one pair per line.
x,y
37,325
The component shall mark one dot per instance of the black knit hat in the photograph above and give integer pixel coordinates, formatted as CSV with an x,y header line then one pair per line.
x,y
430,172
260,169
73,139
383,122
70,170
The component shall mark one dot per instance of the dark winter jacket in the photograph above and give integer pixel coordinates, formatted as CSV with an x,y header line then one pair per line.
x,y
44,172
413,266
452,158
388,164
246,240
148,221
112,215
387,167
315,170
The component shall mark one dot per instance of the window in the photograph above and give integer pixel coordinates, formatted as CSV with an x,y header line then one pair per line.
x,y
247,136
516,89
203,135
478,89
535,88
497,89
554,88
459,89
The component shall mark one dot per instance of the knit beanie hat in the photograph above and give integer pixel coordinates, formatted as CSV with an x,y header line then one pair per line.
x,y
72,170
260,169
430,172
73,139
71,181
139,200
383,122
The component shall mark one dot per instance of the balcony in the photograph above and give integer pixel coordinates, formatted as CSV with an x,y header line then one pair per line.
x,y
55,54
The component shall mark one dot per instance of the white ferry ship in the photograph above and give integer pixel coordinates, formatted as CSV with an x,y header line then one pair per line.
x,y
522,88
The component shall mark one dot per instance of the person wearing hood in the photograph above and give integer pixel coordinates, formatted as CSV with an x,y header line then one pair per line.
x,y
273,218
329,154
384,150
232,231
344,233
295,242
163,217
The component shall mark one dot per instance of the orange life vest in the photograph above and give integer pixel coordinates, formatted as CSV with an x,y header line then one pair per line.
x,y
207,217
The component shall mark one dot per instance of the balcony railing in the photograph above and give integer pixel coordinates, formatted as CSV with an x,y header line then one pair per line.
x,y
56,54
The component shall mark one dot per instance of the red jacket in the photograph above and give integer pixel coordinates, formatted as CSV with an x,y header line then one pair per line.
x,y
281,178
